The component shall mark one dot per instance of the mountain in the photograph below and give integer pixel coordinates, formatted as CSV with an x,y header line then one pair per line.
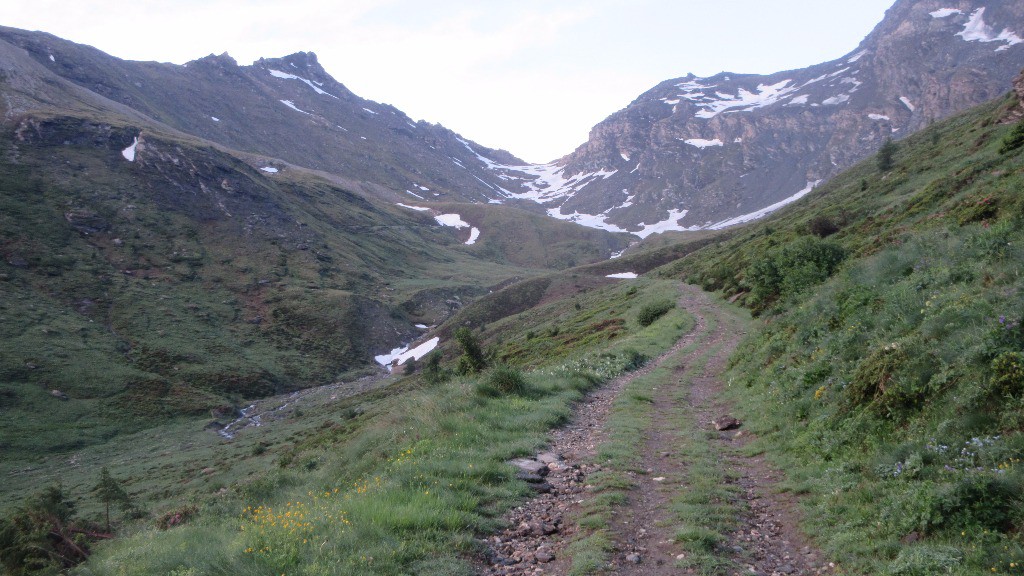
x,y
148,273
691,153
710,152
287,108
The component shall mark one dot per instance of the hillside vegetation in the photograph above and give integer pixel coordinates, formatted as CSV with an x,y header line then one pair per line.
x,y
188,281
885,375
888,373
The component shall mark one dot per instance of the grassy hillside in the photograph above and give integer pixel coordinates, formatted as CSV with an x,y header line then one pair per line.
x,y
887,374
186,281
396,481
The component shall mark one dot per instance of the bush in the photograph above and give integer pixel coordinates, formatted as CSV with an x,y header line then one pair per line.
x,y
503,381
802,263
886,154
1008,373
651,312
1014,140
472,360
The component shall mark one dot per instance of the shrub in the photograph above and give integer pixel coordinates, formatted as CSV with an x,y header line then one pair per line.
x,y
503,381
651,312
1008,373
886,154
1014,140
472,360
822,226
802,263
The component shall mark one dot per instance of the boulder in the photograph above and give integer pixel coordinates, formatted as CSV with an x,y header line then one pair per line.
x,y
726,423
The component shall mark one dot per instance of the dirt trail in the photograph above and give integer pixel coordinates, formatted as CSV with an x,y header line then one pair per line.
x,y
766,542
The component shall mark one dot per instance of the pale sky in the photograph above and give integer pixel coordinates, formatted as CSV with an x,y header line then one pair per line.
x,y
529,76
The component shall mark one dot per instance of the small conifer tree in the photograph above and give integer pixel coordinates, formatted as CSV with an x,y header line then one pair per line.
x,y
110,491
886,155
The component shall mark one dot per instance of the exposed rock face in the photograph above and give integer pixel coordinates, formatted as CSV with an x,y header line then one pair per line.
x,y
731,145
1016,113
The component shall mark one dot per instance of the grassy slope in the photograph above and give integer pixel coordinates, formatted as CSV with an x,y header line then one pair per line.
x,y
892,393
400,485
187,281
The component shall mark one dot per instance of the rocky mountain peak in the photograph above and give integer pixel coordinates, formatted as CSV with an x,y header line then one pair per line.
x,y
699,153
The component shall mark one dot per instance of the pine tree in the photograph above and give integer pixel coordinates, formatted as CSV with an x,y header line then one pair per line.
x,y
886,154
110,492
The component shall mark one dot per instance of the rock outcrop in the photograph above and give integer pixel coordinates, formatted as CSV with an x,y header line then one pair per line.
x,y
709,152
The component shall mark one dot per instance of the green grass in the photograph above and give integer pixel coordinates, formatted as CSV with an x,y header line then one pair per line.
x,y
619,457
706,509
888,389
189,282
398,481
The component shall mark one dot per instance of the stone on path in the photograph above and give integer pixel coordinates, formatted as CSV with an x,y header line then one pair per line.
x,y
726,423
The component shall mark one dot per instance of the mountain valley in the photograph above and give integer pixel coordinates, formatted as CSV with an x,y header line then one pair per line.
x,y
309,335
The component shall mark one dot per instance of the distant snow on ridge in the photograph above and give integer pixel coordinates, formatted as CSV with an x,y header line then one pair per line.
x,y
945,12
287,76
702,144
292,105
763,211
744,100
976,30
416,208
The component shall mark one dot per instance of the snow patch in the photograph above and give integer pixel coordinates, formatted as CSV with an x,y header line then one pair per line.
x,y
269,169
878,117
623,275
906,102
945,12
977,31
410,192
316,87
702,144
399,356
670,224
474,234
764,211
292,105
416,208
746,101
129,152
421,326
836,100
52,59
856,57
370,111
624,156
801,99
214,118
451,220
